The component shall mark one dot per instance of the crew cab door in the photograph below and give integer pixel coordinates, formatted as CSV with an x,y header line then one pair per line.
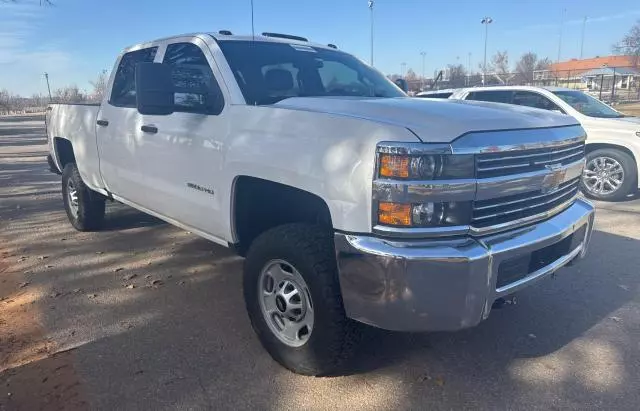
x,y
180,154
116,126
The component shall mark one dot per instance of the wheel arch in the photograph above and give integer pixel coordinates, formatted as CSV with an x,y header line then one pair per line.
x,y
64,153
258,205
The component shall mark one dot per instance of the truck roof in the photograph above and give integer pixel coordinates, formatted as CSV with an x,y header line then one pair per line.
x,y
243,37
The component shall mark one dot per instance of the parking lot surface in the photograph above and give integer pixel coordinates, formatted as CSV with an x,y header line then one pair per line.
x,y
142,315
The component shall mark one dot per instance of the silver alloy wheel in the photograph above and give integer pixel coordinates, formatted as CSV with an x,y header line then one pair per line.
x,y
286,303
603,175
72,194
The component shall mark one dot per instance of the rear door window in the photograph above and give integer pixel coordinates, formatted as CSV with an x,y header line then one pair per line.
x,y
123,93
494,96
195,87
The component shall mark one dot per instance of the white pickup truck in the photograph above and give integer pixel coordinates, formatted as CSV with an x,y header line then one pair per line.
x,y
349,200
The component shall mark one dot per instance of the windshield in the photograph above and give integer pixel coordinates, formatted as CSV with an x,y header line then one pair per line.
x,y
587,105
268,72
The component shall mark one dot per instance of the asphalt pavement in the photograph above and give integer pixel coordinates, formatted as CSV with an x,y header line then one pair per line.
x,y
142,315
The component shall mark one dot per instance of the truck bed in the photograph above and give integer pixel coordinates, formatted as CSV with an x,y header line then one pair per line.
x,y
76,123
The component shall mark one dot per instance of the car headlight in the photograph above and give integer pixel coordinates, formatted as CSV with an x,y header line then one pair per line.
x,y
426,167
426,214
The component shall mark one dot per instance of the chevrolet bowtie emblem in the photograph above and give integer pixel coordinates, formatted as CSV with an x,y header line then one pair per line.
x,y
554,178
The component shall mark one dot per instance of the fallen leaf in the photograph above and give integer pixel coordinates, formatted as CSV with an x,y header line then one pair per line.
x,y
99,252
157,282
77,290
532,336
439,381
43,257
22,285
48,266
130,286
616,319
182,282
624,287
90,296
129,277
117,270
147,276
54,294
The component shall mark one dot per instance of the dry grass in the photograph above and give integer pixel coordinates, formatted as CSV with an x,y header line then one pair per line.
x,y
632,109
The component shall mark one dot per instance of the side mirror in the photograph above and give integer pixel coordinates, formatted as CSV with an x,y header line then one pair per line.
x,y
154,89
402,83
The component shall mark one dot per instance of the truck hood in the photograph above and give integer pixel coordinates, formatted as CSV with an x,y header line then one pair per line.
x,y
432,121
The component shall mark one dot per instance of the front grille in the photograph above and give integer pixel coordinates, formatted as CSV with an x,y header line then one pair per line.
x,y
505,209
524,161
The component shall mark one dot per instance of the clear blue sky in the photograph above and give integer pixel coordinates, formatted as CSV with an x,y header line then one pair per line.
x,y
75,39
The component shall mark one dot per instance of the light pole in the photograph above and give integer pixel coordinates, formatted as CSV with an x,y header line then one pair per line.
x,y
371,40
468,68
46,76
584,25
560,36
423,54
403,66
486,21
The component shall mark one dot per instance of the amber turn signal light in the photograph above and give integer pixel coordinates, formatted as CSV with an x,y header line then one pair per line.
x,y
394,214
394,166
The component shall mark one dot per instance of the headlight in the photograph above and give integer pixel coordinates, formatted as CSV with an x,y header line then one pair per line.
x,y
427,214
426,167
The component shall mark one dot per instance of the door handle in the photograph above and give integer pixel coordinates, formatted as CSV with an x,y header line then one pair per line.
x,y
102,123
149,129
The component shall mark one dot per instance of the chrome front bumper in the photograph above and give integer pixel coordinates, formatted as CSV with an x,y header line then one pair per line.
x,y
432,285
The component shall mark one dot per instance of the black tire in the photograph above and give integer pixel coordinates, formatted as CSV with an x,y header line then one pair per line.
x,y
629,183
91,205
310,250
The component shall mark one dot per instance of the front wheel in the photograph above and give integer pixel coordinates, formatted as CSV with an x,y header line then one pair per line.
x,y
609,175
293,299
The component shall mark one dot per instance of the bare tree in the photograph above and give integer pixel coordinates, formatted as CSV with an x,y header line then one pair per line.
x,y
41,2
411,75
529,63
499,67
630,44
457,75
99,86
69,94
5,101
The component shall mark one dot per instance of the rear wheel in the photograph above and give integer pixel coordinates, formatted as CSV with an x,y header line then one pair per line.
x,y
85,208
293,299
609,175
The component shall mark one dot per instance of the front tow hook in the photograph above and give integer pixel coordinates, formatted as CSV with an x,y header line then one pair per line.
x,y
503,301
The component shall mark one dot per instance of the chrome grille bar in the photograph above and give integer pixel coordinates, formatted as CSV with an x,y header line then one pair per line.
x,y
493,165
492,212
